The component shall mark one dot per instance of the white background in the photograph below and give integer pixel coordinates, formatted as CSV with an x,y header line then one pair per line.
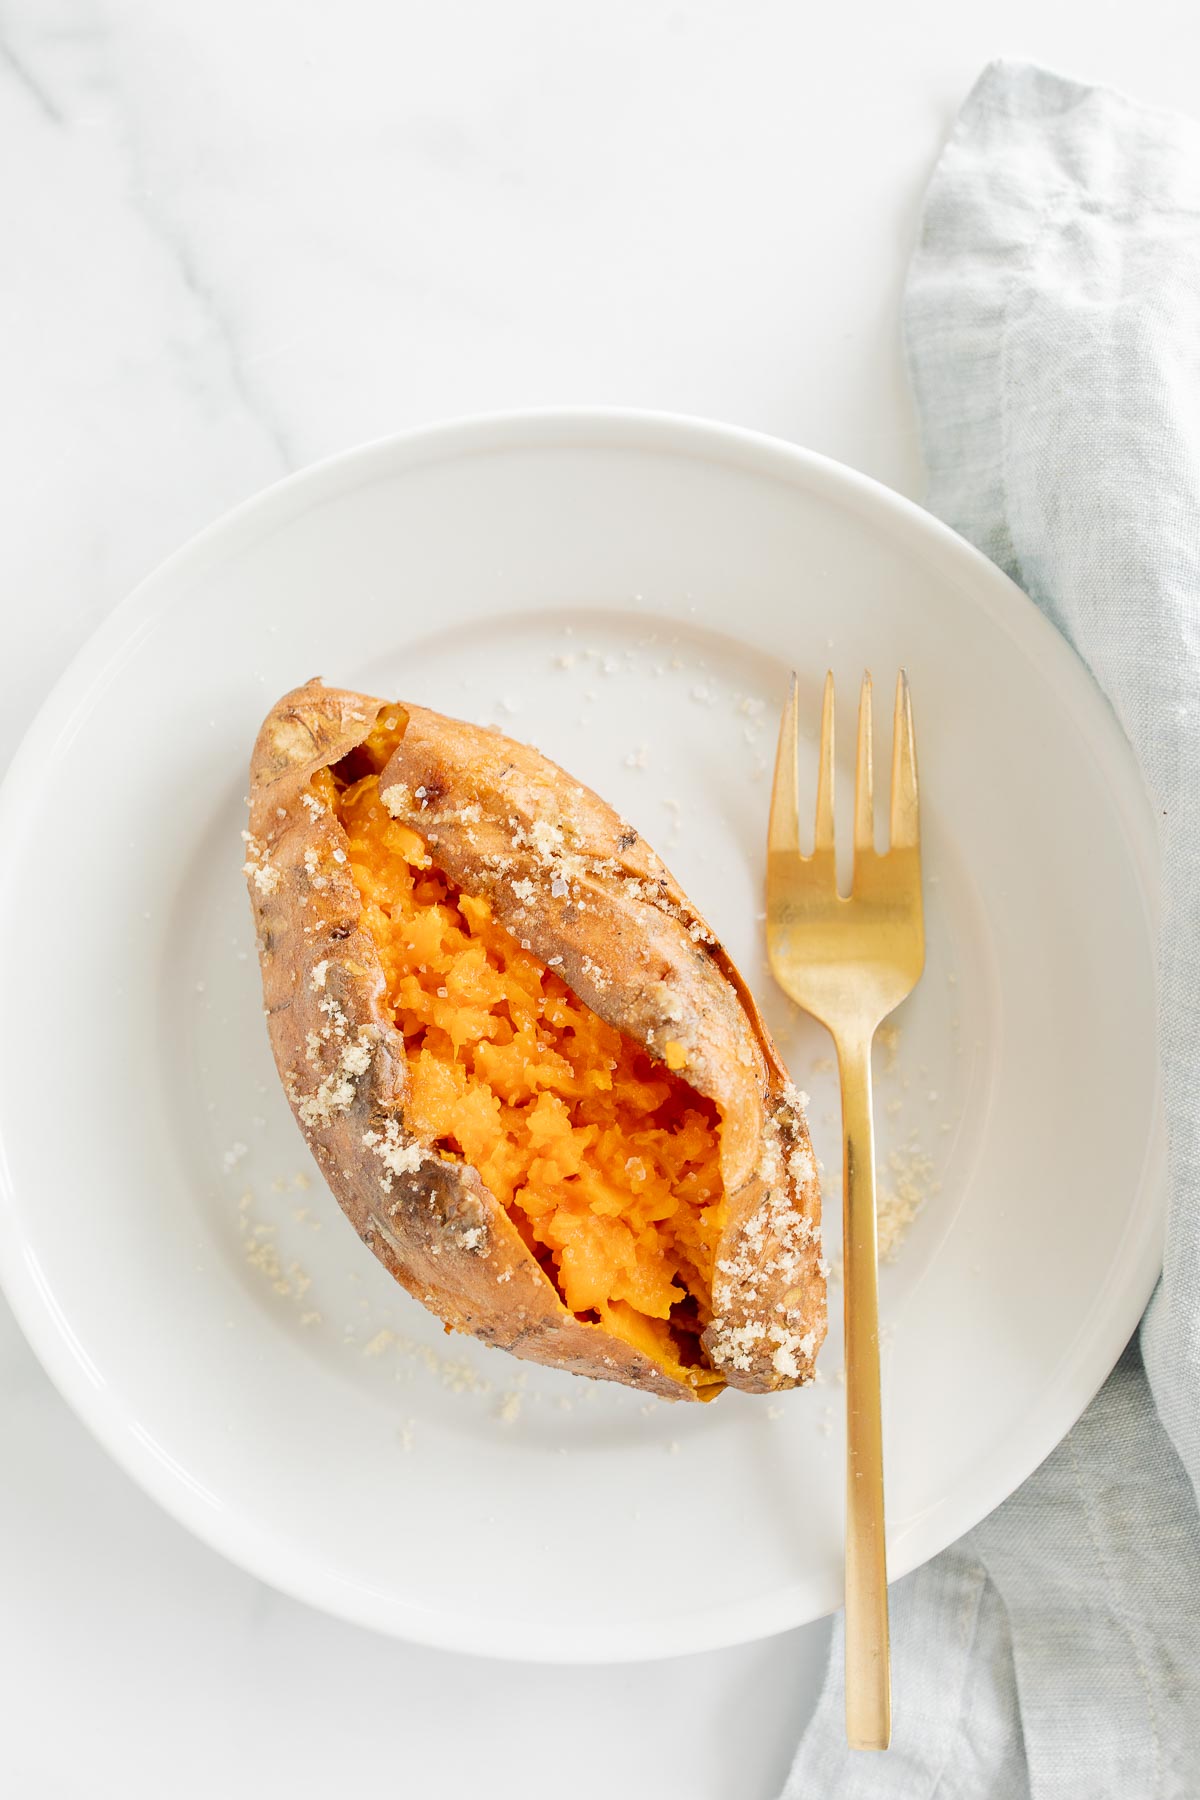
x,y
237,237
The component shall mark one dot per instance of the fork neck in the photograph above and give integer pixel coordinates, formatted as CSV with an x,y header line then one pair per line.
x,y
853,1045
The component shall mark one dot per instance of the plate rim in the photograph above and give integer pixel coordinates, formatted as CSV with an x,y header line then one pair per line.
x,y
1111,1320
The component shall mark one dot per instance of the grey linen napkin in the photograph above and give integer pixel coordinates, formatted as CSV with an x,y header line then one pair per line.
x,y
1053,329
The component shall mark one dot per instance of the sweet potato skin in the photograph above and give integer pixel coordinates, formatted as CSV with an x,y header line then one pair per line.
x,y
564,873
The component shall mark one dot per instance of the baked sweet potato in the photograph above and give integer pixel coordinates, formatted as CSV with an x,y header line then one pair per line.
x,y
533,1079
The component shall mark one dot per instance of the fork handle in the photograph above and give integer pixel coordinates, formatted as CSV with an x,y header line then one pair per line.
x,y
868,1661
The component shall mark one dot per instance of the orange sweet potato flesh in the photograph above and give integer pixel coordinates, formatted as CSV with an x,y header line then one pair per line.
x,y
534,1081
607,1162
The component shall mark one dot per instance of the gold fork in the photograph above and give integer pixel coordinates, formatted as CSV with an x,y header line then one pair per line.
x,y
849,962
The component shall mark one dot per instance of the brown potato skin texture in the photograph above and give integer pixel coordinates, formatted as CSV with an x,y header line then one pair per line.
x,y
631,946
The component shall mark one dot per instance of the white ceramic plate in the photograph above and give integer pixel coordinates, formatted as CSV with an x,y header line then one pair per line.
x,y
630,593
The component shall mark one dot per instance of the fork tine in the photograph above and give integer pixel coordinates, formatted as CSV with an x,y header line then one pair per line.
x,y
823,834
906,817
783,829
864,797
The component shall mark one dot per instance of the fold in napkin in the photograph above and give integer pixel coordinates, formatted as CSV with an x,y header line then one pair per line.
x,y
1053,328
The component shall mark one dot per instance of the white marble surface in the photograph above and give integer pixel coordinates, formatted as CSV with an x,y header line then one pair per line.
x,y
242,235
